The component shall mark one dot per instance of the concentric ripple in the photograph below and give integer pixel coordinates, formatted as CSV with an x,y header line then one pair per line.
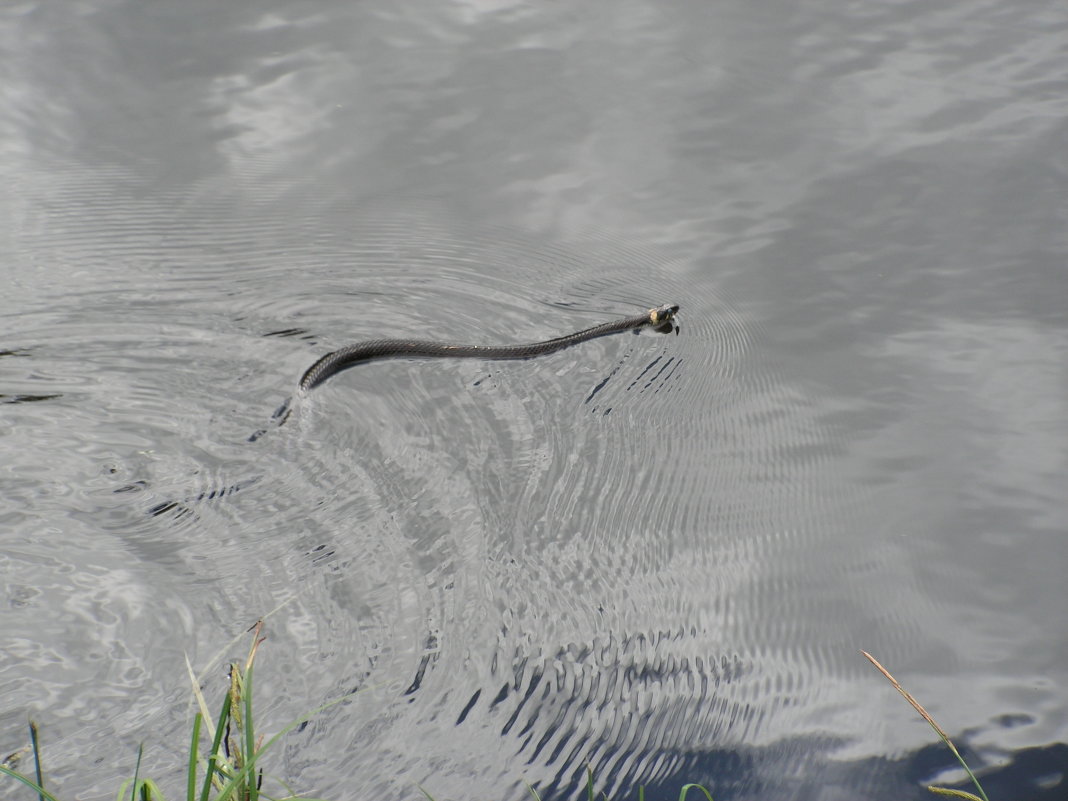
x,y
583,556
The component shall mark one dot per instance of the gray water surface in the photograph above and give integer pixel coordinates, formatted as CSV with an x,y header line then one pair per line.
x,y
658,555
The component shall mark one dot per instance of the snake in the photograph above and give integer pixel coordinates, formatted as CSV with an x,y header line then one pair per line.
x,y
660,318
332,363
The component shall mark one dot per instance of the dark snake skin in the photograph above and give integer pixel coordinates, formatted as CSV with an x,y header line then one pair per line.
x,y
342,359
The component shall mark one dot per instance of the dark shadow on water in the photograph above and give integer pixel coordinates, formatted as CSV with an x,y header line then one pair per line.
x,y
786,771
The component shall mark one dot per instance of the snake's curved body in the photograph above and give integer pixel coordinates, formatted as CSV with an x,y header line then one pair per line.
x,y
661,317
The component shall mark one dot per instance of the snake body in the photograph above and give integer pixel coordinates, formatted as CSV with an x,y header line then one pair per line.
x,y
660,318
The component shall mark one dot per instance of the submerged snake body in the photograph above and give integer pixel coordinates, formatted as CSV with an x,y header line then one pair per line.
x,y
661,318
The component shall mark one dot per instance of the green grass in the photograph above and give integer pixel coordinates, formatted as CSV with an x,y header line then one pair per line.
x,y
225,752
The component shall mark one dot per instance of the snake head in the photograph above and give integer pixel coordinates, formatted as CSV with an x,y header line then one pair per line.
x,y
662,315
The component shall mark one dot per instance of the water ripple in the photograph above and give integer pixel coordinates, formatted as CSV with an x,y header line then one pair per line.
x,y
516,549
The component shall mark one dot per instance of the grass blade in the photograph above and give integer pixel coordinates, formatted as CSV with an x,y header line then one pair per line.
x,y
38,786
42,793
687,787
250,737
953,793
191,783
137,772
938,729
150,790
37,759
213,755
205,715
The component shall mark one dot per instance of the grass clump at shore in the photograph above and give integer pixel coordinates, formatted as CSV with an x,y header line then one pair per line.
x,y
230,766
225,752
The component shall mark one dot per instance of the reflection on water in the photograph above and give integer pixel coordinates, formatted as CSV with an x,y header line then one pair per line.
x,y
657,555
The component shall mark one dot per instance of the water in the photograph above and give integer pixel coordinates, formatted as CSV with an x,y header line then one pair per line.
x,y
656,554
